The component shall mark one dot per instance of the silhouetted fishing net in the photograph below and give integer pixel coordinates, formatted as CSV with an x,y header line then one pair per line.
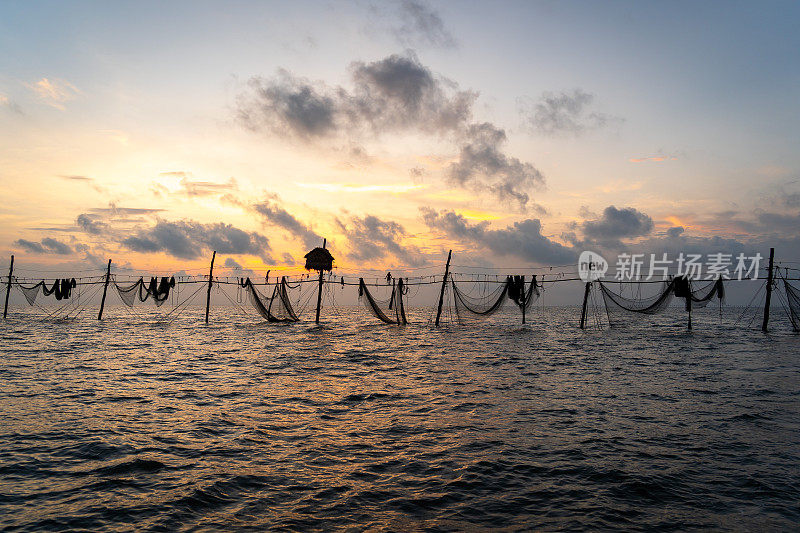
x,y
618,304
391,310
793,297
61,289
704,294
275,308
480,304
158,292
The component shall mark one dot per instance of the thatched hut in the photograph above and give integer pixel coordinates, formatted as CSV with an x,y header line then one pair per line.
x,y
319,259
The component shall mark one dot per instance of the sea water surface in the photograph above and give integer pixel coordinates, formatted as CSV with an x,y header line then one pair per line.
x,y
126,425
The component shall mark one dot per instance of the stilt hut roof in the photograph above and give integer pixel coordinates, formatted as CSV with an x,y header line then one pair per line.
x,y
319,259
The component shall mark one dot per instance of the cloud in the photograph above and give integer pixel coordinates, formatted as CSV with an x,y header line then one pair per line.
x,y
46,246
675,231
416,23
397,93
207,188
522,239
89,224
274,214
481,165
75,177
563,113
617,224
123,213
5,102
187,239
370,238
54,92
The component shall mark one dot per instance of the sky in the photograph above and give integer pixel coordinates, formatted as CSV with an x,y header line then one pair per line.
x,y
513,133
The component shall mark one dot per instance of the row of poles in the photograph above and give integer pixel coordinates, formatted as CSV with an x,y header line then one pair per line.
x,y
767,300
764,324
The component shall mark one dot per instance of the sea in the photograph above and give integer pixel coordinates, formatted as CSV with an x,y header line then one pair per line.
x,y
137,423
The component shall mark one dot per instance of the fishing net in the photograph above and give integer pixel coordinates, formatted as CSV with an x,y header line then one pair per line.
x,y
793,297
637,304
395,309
276,308
703,295
61,289
618,305
157,291
489,303
31,292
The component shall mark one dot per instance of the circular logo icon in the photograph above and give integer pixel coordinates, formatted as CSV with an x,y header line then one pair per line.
x,y
591,266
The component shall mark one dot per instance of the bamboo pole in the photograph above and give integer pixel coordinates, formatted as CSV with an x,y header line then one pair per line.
x,y
768,299
689,304
8,286
444,282
105,291
585,302
319,288
210,282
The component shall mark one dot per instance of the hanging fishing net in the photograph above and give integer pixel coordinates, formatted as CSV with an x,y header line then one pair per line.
x,y
61,289
702,295
275,308
157,291
793,297
391,310
31,292
618,304
480,303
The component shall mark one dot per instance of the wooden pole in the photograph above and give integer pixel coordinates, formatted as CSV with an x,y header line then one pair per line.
x,y
769,290
319,288
585,302
444,282
689,304
524,300
105,291
8,286
210,282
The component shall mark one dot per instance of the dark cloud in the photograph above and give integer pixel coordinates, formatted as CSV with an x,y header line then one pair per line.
x,y
522,239
289,105
397,93
274,214
393,95
46,246
617,224
75,177
675,231
89,224
563,113
482,165
370,238
416,23
237,268
187,239
792,200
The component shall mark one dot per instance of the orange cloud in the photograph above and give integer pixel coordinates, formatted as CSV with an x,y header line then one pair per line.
x,y
54,92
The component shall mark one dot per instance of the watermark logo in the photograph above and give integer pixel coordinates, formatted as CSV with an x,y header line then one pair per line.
x,y
591,266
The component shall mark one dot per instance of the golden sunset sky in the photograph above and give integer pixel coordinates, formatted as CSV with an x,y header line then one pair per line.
x,y
515,133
